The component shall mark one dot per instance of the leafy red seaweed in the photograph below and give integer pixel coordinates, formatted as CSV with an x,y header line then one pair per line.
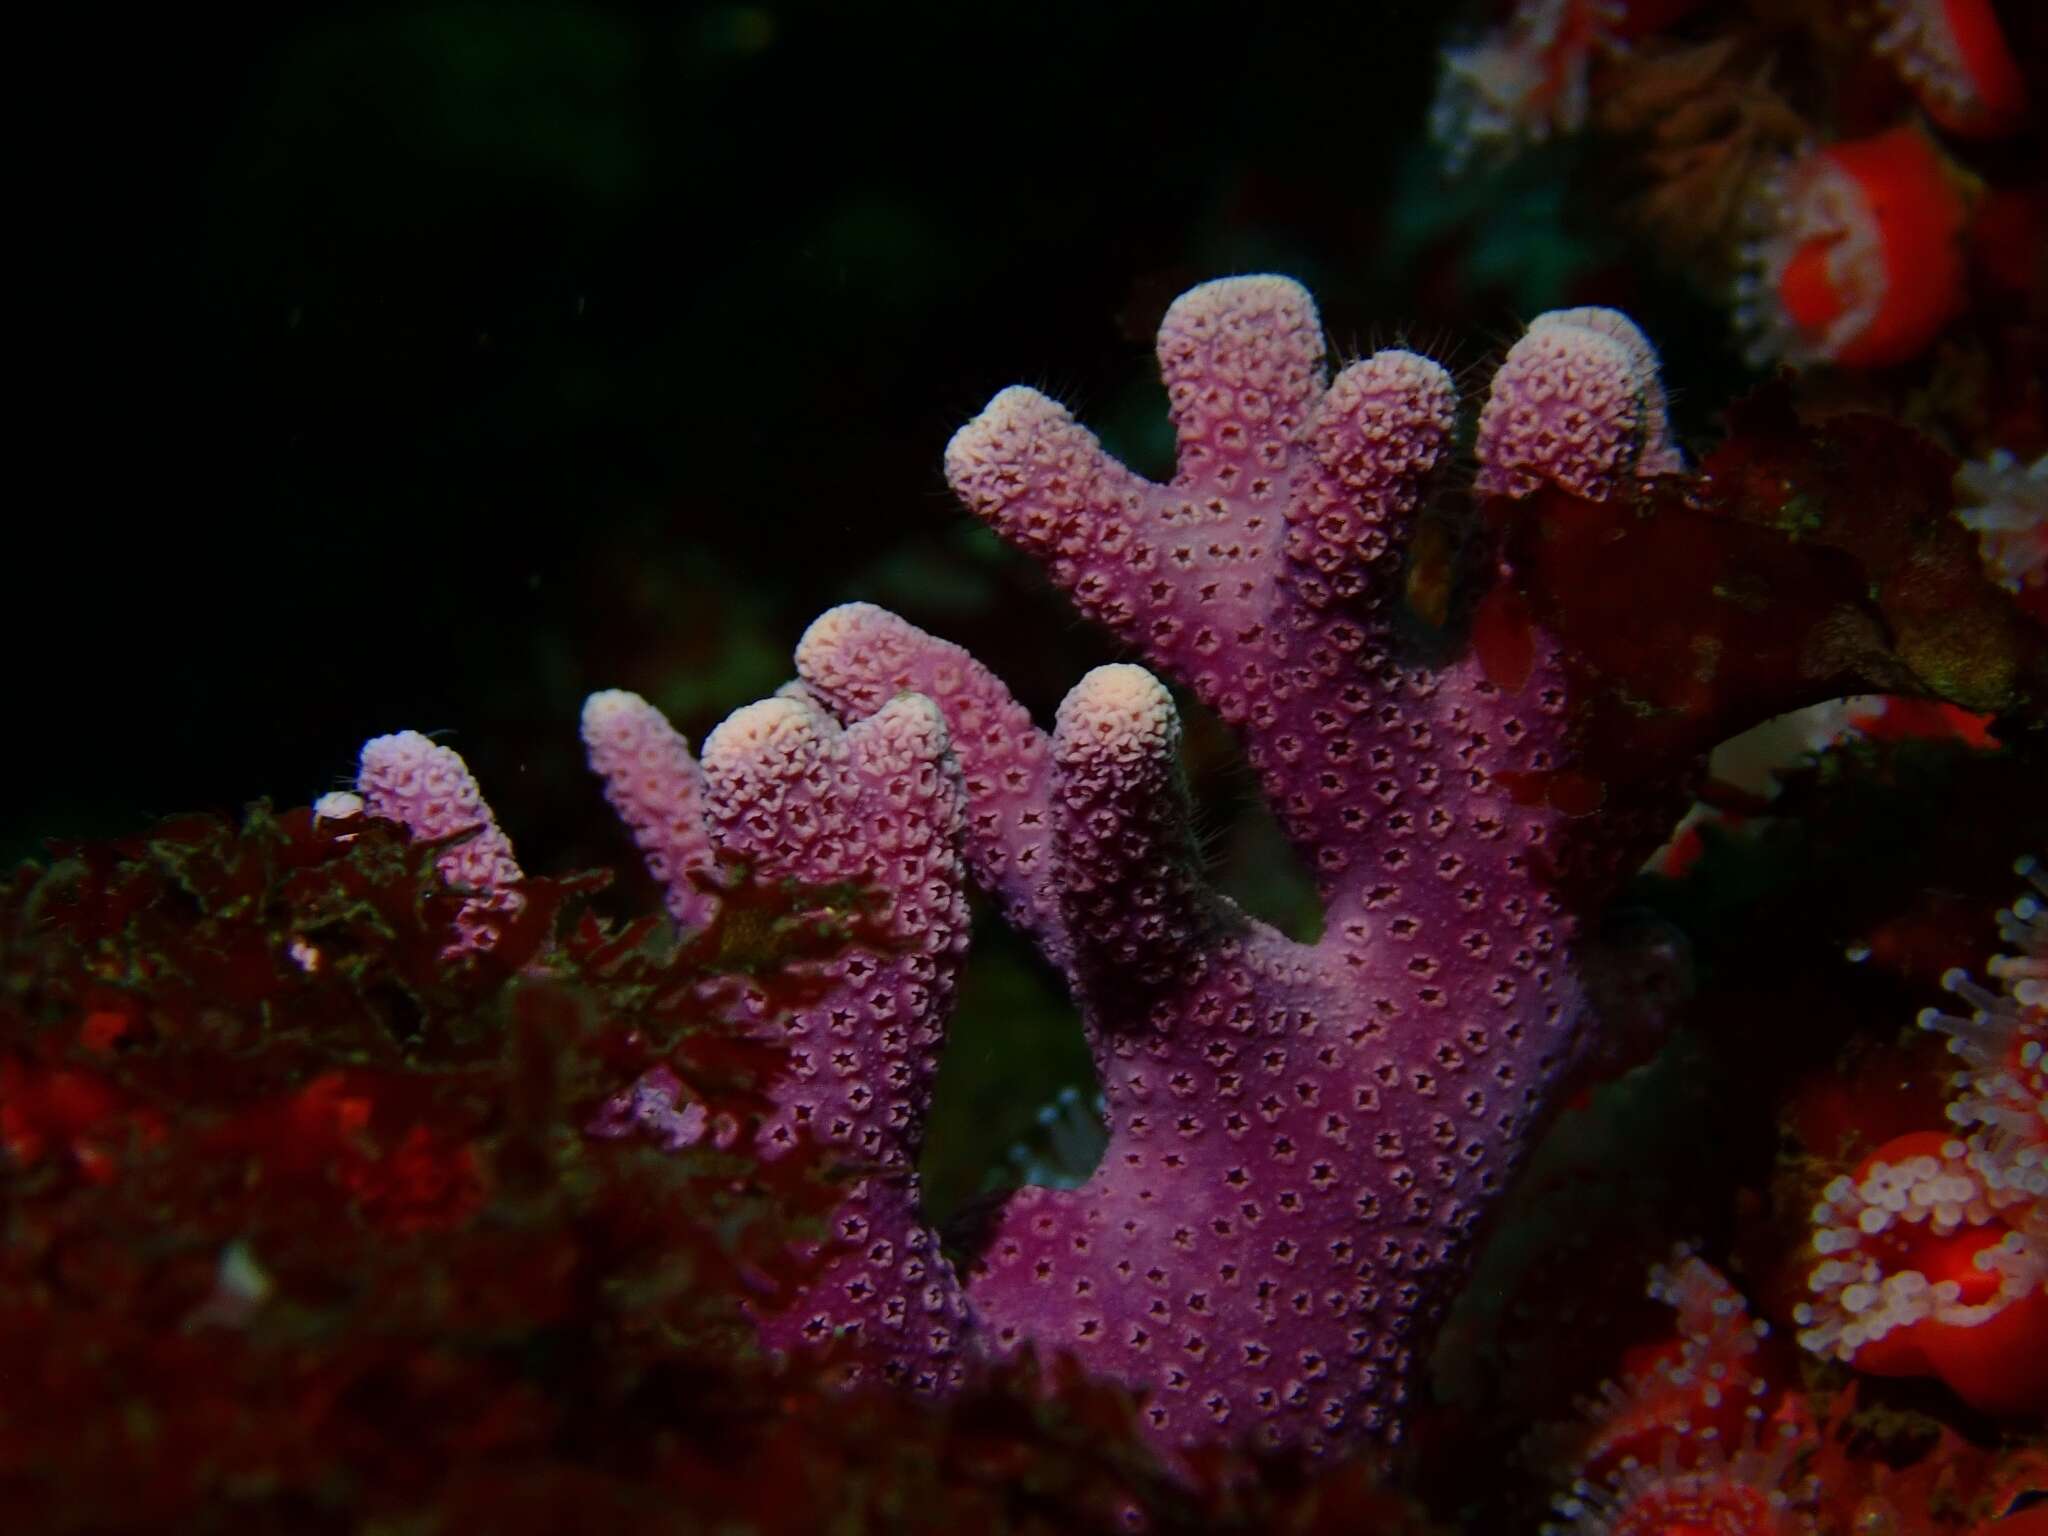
x,y
1807,560
304,1233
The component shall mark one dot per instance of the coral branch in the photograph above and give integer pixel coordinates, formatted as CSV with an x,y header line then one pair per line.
x,y
1300,1137
855,658
428,790
1251,577
657,789
870,815
1576,404
1377,434
877,806
1131,882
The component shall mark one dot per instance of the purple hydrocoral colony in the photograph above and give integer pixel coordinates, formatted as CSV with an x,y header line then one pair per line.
x,y
1302,1137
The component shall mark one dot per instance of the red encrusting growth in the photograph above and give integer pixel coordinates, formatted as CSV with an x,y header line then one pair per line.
x,y
302,1235
1699,1434
1530,77
1918,1276
1858,260
1934,1250
1954,55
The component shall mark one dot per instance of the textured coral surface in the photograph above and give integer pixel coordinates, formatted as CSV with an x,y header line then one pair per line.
x,y
1301,1136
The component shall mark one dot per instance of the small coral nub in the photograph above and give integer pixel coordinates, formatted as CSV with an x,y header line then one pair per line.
x,y
428,790
1576,404
656,787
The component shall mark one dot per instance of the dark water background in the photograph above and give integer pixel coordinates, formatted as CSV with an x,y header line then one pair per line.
x,y
431,366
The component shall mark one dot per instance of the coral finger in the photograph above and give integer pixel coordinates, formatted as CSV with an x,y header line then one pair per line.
x,y
657,789
1576,405
1137,909
1242,361
796,797
855,658
1377,434
428,790
780,792
1042,481
912,808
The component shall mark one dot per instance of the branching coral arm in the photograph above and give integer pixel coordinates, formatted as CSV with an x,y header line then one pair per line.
x,y
1375,438
1131,888
867,816
657,789
1169,568
1301,1138
855,658
428,790
1575,404
793,797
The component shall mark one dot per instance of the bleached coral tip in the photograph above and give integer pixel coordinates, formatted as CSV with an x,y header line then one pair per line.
x,y
337,805
764,725
608,707
1119,707
1263,291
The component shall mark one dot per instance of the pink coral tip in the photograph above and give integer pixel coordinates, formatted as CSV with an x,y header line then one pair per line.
x,y
1575,404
